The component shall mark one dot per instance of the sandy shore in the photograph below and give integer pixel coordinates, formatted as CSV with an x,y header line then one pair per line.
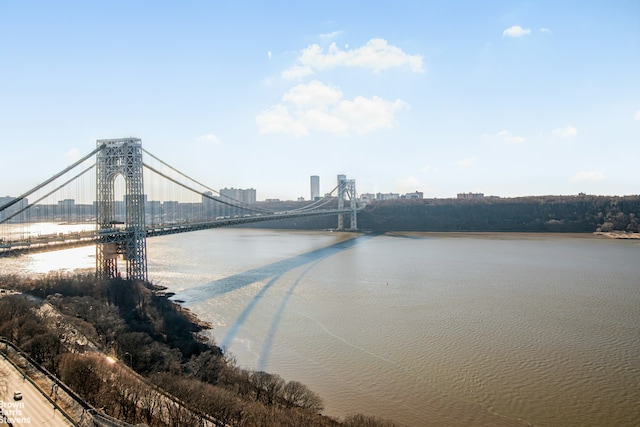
x,y
618,234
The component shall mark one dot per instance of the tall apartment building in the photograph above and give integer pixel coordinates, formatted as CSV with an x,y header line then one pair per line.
x,y
470,195
13,209
235,196
315,187
247,196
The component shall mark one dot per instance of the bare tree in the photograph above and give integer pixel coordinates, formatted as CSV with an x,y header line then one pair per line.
x,y
359,420
149,402
126,396
224,406
236,380
81,373
297,394
206,366
4,386
268,387
179,416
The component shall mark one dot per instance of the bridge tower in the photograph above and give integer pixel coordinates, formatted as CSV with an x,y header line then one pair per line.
x,y
120,157
347,187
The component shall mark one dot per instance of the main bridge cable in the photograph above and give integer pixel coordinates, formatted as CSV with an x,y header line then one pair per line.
x,y
315,205
240,204
48,194
322,202
325,200
53,178
175,181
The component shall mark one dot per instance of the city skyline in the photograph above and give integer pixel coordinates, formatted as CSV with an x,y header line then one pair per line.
x,y
506,99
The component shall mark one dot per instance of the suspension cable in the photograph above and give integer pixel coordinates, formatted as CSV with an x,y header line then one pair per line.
x,y
176,170
239,203
46,195
56,176
320,202
175,181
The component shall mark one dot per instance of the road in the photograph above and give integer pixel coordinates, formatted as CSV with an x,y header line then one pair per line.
x,y
34,409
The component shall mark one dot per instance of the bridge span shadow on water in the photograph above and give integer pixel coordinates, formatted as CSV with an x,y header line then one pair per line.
x,y
271,272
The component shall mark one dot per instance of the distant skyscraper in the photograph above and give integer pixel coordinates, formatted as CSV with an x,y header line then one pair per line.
x,y
315,187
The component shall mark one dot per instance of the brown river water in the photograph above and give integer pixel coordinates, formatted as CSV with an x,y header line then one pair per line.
x,y
423,329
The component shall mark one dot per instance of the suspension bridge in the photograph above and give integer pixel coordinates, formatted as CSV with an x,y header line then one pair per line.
x,y
120,194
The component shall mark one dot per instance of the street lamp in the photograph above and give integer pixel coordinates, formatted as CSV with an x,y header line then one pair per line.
x,y
130,359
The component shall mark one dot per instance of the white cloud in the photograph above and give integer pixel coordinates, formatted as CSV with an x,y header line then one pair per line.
x,y
588,176
428,169
330,35
377,55
408,185
545,30
269,54
314,94
507,136
467,162
319,107
637,115
324,121
278,120
209,138
516,31
72,155
565,132
296,72
368,114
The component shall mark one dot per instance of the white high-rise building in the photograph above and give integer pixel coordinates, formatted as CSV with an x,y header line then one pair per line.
x,y
247,196
315,187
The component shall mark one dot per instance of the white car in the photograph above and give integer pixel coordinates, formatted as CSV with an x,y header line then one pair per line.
x,y
17,395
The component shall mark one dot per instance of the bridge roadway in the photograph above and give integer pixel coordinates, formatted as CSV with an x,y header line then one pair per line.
x,y
33,409
54,242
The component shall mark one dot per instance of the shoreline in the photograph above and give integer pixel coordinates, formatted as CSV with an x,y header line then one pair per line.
x,y
617,234
504,235
496,240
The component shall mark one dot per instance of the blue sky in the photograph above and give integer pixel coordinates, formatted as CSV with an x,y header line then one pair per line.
x,y
507,98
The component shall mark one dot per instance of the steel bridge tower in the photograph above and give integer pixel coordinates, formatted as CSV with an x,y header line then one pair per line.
x,y
120,157
347,187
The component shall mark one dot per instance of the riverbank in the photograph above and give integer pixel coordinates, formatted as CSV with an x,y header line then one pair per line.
x,y
618,234
420,350
104,328
423,328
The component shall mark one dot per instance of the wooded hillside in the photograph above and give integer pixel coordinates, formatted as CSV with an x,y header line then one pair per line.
x,y
569,214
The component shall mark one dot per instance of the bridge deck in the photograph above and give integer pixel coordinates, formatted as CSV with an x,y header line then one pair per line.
x,y
71,240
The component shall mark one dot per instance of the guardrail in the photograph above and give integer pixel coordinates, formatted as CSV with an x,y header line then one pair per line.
x,y
98,418
86,238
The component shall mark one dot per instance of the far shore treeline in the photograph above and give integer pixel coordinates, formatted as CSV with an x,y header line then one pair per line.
x,y
561,214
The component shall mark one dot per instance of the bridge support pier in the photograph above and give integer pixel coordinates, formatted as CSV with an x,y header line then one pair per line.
x,y
347,187
120,157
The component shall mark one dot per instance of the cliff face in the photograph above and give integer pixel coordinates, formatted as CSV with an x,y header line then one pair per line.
x,y
570,214
527,214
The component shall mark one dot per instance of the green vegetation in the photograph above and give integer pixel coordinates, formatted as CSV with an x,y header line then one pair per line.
x,y
181,379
